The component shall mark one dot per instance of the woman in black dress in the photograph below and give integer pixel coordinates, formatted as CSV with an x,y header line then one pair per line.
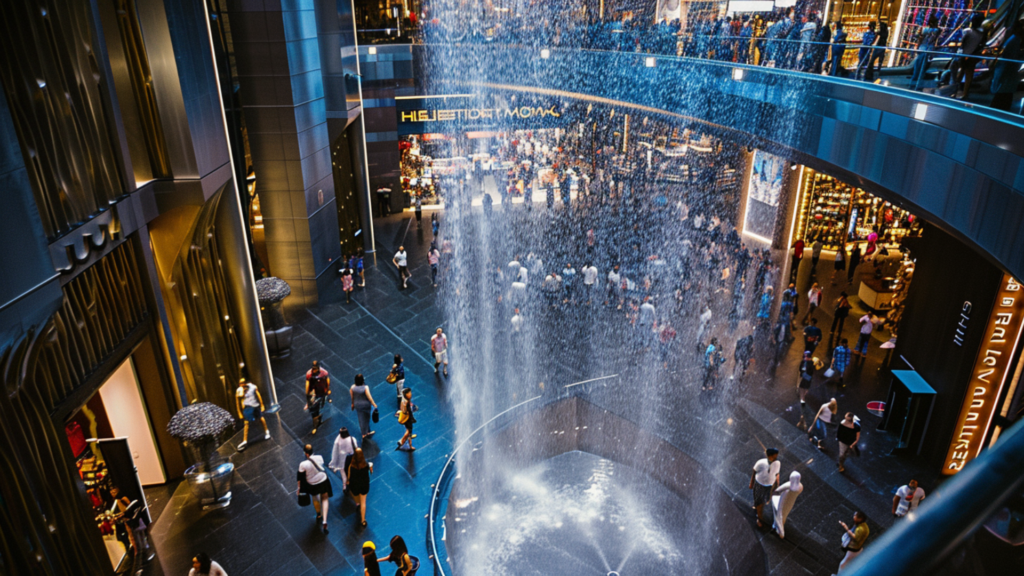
x,y
359,471
407,419
371,566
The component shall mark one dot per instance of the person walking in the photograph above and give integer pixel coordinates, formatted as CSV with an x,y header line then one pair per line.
x,y
407,419
784,323
927,37
358,473
318,388
840,360
743,354
419,210
614,287
853,540
764,480
783,501
344,447
972,44
1006,69
362,404
815,255
401,261
812,336
818,430
807,369
813,301
371,565
407,565
764,309
313,480
439,346
867,326
839,314
712,360
347,283
848,435
589,282
855,257
838,50
864,54
907,498
433,258
397,376
359,267
249,405
798,255
202,565
839,265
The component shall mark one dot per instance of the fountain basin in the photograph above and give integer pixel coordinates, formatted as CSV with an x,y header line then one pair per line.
x,y
565,487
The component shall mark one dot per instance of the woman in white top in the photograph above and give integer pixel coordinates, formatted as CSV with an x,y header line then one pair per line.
x,y
313,480
824,416
203,566
783,500
813,301
344,446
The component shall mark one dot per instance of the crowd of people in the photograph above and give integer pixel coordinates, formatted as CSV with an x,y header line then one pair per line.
x,y
781,38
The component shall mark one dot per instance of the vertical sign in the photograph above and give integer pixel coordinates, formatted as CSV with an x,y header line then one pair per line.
x,y
1002,333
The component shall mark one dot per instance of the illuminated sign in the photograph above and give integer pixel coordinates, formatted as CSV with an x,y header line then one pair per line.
x,y
988,377
461,114
961,325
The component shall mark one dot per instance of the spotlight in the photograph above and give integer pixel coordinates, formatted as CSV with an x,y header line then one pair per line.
x,y
649,62
372,50
545,53
920,111
792,165
737,74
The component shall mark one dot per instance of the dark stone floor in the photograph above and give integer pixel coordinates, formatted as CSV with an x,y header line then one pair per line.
x,y
264,531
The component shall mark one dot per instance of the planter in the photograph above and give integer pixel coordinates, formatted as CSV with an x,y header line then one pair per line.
x,y
213,489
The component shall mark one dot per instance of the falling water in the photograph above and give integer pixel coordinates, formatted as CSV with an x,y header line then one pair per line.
x,y
665,220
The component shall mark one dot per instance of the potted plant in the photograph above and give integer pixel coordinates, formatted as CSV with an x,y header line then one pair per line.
x,y
199,426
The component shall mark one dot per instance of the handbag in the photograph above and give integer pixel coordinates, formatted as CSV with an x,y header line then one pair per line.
x,y
830,373
375,416
391,378
304,499
402,416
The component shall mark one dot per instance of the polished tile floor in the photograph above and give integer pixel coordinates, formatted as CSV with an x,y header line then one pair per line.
x,y
264,532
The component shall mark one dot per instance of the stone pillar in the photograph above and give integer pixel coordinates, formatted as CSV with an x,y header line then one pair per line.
x,y
282,95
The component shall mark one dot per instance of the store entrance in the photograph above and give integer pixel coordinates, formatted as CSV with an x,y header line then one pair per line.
x,y
116,454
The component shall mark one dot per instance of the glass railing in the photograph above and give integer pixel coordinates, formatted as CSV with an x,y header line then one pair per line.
x,y
984,79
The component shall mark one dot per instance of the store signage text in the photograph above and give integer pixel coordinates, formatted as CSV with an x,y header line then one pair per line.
x,y
990,370
522,112
961,325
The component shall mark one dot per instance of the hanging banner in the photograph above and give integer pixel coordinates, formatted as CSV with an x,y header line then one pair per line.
x,y
1002,334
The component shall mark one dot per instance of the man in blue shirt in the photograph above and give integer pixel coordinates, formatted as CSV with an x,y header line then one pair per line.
x,y
840,360
838,48
812,336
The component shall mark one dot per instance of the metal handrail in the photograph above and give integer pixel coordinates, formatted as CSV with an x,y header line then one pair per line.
x,y
946,518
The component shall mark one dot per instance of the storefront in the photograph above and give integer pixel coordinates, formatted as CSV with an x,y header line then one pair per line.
x,y
857,14
837,213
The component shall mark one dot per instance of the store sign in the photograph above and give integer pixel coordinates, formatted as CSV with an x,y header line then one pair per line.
x,y
990,371
440,114
961,325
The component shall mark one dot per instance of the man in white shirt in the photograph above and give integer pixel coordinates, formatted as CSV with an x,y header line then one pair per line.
x,y
401,261
589,280
764,480
907,498
867,326
439,346
517,322
249,405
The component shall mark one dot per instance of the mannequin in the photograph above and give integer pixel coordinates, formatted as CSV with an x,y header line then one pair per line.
x,y
783,500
